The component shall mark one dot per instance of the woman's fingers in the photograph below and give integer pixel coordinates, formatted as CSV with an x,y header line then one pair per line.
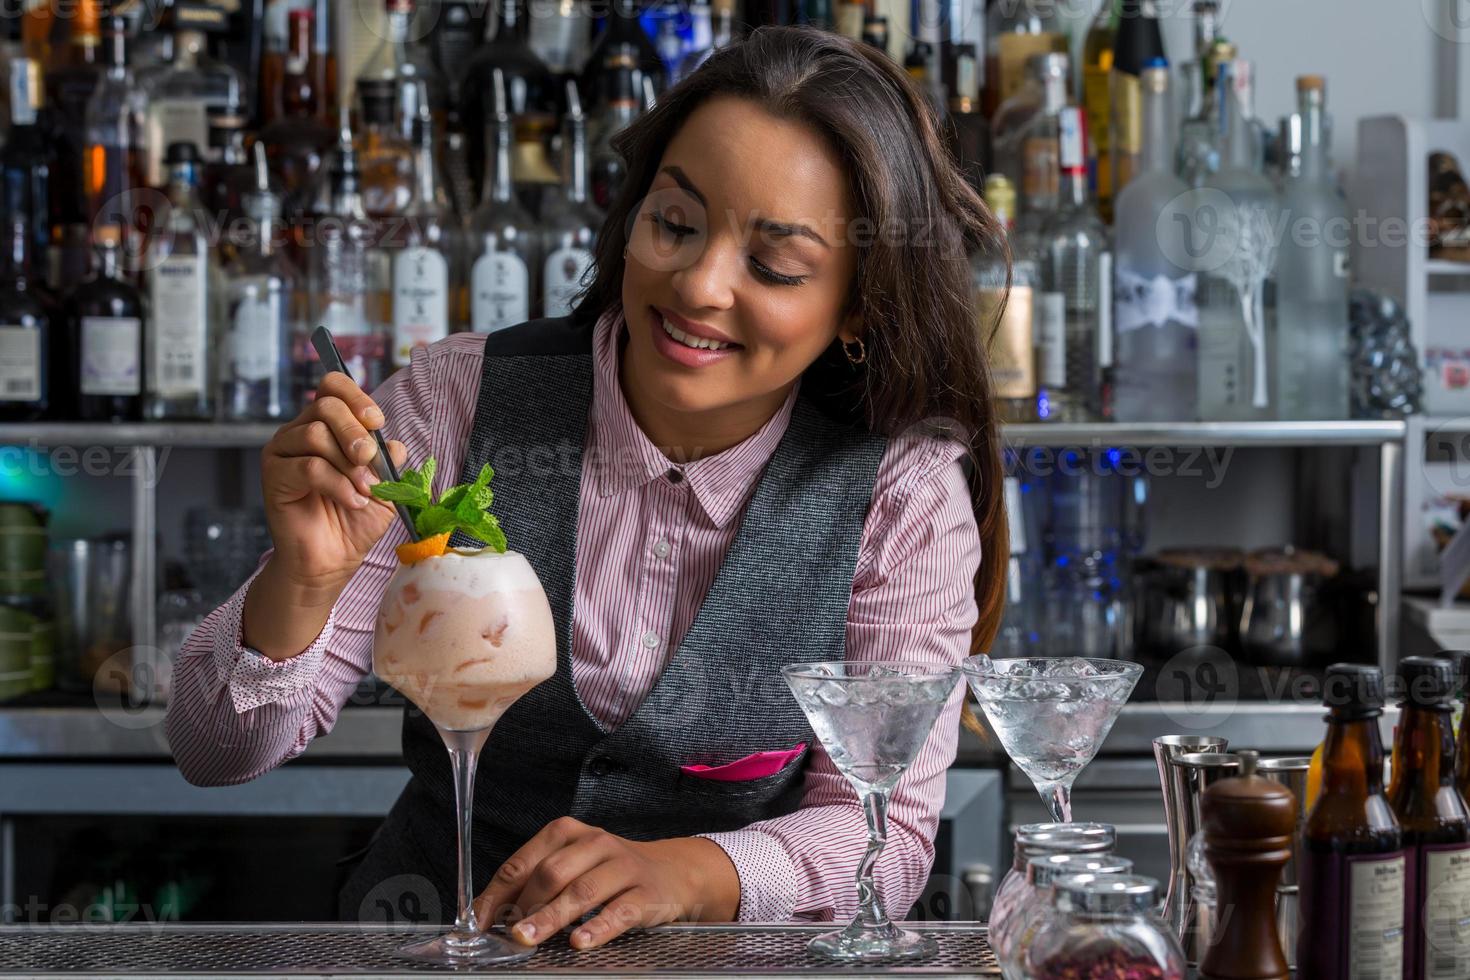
x,y
631,909
299,476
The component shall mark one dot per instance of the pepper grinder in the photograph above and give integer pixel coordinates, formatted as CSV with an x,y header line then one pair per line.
x,y
1249,822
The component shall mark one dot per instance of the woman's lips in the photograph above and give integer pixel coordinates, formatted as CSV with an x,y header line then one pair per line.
x,y
690,357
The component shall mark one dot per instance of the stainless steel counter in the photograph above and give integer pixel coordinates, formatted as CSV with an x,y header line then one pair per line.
x,y
369,950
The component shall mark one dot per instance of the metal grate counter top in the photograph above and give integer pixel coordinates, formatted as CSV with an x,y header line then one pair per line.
x,y
361,951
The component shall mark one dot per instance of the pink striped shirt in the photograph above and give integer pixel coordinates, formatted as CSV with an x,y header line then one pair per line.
x,y
647,553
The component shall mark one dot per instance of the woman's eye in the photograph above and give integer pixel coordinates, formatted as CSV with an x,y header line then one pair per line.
x,y
772,276
668,227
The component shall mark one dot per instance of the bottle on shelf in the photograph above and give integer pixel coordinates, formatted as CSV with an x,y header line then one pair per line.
x,y
966,129
1155,320
1039,156
1138,42
1016,113
701,42
504,239
1076,264
1435,821
31,386
455,34
106,321
561,33
323,64
1312,276
227,176
529,84
296,140
622,25
347,282
181,92
1353,870
621,105
71,78
259,296
1461,659
426,257
1004,316
571,222
405,66
1236,263
113,132
1198,155
179,382
385,159
1014,33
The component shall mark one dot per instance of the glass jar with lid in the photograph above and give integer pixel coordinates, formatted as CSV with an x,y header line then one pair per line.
x,y
1037,839
1104,926
1035,902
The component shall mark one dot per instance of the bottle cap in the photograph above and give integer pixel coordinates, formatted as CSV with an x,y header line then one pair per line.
x,y
1352,686
1044,869
181,152
1310,83
1105,894
1425,681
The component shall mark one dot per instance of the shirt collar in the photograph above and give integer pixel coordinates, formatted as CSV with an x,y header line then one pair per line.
x,y
626,459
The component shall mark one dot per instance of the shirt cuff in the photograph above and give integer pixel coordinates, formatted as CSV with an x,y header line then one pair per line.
x,y
253,679
767,875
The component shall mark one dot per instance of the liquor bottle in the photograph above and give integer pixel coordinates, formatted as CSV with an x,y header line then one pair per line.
x,y
663,17
347,285
296,141
259,296
620,107
623,25
1198,155
1138,43
1236,343
113,132
966,129
425,257
1312,277
398,63
30,358
1353,869
26,162
570,223
1461,659
323,64
1154,313
1195,69
1024,135
1076,262
875,32
1004,317
180,93
505,241
722,32
227,176
561,33
1014,33
455,34
385,159
701,37
71,78
1435,821
105,314
528,84
179,381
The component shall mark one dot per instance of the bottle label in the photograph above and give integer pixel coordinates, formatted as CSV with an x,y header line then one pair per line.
x,y
20,364
1105,310
1071,152
1051,338
1140,302
1375,926
1127,122
563,277
1443,900
420,300
255,334
180,320
500,292
1040,168
1097,97
111,359
1010,340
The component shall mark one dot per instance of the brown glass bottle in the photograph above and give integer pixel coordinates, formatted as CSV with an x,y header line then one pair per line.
x,y
1435,821
296,140
105,318
1353,867
1461,660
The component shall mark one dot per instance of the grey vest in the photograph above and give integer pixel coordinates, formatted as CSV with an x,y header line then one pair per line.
x,y
780,596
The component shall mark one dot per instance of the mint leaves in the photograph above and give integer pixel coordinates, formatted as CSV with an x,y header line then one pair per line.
x,y
460,508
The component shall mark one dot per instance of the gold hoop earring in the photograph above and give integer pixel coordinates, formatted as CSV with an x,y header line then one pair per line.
x,y
625,251
860,356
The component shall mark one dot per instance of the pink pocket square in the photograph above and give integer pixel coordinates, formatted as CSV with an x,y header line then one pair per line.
x,y
751,767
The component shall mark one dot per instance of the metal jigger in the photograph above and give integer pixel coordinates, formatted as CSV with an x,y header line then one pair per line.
x,y
1192,774
1166,749
1291,773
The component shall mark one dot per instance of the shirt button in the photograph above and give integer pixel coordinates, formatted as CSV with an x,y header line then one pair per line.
x,y
675,475
600,766
661,547
650,639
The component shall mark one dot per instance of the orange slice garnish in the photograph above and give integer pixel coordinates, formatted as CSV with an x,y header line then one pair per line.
x,y
413,551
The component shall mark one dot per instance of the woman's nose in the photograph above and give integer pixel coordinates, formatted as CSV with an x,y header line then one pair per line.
x,y
708,282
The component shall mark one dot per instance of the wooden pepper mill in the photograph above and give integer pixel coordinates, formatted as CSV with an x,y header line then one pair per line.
x,y
1248,825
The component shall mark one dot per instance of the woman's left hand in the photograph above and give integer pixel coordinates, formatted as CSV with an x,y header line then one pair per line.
x,y
570,868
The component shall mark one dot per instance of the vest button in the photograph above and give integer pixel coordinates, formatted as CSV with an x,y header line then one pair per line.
x,y
601,766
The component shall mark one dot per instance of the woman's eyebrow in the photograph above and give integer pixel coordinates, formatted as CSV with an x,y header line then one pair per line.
x,y
682,179
782,229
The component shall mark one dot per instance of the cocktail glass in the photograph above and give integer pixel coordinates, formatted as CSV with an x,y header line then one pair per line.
x,y
1051,714
463,636
872,718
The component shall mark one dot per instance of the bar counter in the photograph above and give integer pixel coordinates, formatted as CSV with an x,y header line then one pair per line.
x,y
369,950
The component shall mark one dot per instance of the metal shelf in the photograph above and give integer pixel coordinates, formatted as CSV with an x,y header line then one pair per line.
x,y
180,435
1240,434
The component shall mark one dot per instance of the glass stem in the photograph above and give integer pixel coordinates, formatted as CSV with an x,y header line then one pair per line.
x,y
464,755
870,908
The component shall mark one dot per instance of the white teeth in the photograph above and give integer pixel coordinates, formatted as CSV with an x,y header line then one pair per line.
x,y
698,343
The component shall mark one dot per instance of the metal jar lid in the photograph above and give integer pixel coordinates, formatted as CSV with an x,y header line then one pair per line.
x,y
1043,870
1106,894
1034,839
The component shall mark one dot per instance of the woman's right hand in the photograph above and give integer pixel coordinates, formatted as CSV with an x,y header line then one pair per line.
x,y
316,476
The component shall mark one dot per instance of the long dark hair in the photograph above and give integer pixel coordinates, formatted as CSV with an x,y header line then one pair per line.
x,y
925,357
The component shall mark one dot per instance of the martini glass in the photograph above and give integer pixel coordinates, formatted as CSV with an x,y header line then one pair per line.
x,y
872,718
464,635
1051,714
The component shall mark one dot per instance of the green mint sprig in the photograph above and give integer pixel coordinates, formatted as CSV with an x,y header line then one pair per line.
x,y
460,508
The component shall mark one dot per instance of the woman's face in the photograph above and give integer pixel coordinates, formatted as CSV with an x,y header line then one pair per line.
x,y
741,241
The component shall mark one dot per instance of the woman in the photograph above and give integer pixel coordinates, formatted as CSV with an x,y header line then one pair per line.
x,y
724,460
